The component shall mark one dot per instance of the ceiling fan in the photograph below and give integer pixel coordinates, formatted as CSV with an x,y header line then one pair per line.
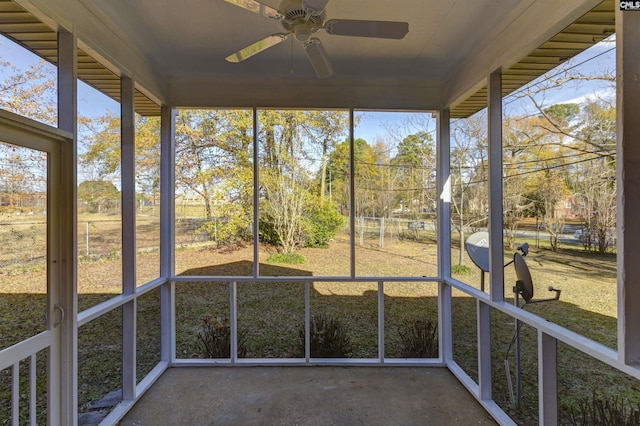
x,y
303,18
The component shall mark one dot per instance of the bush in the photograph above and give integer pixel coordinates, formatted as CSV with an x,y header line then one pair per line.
x,y
214,338
418,339
461,270
605,411
287,258
328,338
267,232
232,227
323,222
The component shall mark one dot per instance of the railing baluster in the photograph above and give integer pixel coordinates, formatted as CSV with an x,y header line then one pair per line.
x,y
307,321
233,305
381,321
484,351
547,379
33,381
15,394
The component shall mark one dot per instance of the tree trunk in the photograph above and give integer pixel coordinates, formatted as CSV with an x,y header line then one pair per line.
x,y
323,172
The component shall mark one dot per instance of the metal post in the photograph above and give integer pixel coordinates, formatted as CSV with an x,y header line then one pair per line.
x,y
233,307
381,321
167,232
516,301
627,178
128,193
547,379
307,321
67,393
443,176
256,193
484,351
352,196
496,252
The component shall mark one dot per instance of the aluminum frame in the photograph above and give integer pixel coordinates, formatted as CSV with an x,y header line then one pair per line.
x,y
625,359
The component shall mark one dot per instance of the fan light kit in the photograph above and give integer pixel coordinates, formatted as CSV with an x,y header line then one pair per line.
x,y
302,19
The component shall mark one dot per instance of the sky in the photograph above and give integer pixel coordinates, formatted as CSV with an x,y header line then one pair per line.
x,y
378,125
91,103
598,60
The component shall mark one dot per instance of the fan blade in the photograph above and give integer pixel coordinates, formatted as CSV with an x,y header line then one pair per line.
x,y
256,7
357,28
257,47
316,5
318,58
273,4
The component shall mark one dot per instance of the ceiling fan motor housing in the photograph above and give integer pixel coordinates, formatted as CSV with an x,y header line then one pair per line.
x,y
301,20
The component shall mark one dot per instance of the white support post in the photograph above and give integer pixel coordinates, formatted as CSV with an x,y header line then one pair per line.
x,y
628,181
443,174
496,249
484,351
256,195
547,379
167,231
127,167
66,397
352,197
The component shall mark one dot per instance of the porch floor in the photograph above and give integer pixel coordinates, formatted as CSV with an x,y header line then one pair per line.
x,y
307,396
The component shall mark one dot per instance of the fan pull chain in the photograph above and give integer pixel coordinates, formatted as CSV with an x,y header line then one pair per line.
x,y
291,71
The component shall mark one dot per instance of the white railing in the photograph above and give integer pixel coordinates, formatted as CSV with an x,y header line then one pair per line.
x,y
549,334
308,359
11,357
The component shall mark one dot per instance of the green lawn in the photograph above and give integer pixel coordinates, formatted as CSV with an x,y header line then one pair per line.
x,y
271,315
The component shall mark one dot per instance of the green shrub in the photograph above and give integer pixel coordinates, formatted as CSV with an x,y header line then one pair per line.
x,y
214,338
322,223
232,227
605,411
287,258
328,338
267,232
461,270
418,339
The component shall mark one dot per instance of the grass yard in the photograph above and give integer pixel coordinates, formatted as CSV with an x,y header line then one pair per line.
x,y
271,315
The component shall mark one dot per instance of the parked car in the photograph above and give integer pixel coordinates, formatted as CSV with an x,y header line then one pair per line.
x,y
581,235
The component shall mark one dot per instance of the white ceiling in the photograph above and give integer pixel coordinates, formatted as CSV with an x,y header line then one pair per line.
x,y
192,37
176,48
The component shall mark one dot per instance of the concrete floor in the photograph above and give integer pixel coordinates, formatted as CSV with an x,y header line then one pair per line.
x,y
307,396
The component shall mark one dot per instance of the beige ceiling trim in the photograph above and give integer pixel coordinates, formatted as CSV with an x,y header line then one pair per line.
x,y
590,29
25,29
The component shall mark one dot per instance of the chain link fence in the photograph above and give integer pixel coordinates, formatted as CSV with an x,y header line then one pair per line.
x,y
24,242
384,230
